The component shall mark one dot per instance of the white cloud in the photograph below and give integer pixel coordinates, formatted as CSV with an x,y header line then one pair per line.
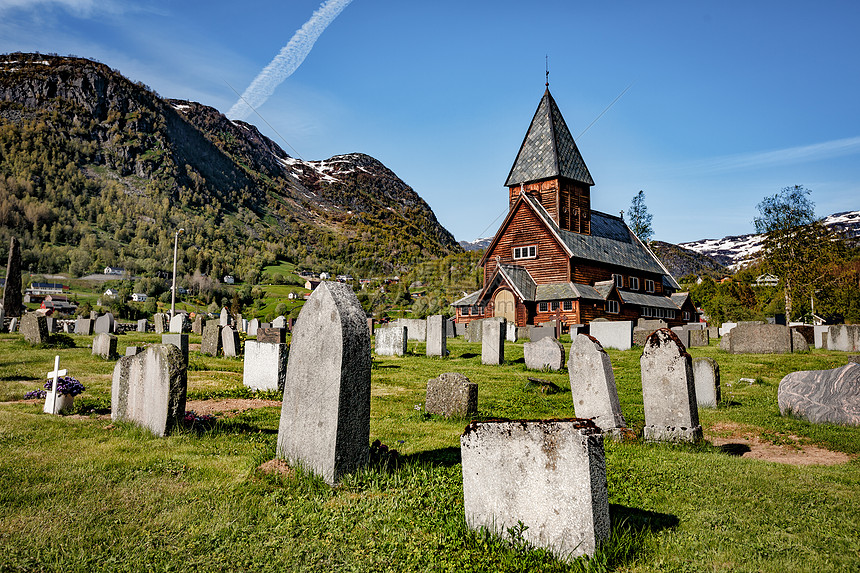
x,y
288,60
790,155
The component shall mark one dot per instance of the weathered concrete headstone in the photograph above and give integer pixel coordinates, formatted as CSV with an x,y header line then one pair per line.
x,y
493,342
253,326
822,396
437,336
450,331
279,322
668,390
713,332
161,322
178,324
197,325
844,337
133,350
211,341
616,334
757,338
265,365
550,475
391,340
475,330
325,416
459,329
104,324
272,335
538,332
12,297
592,385
683,335
225,318
142,325
13,325
149,388
84,326
706,374
94,315
451,394
178,340
230,342
546,353
699,337
52,324
104,345
640,335
416,328
511,332
651,324
34,327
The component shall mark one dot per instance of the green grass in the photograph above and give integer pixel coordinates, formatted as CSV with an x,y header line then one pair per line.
x,y
83,494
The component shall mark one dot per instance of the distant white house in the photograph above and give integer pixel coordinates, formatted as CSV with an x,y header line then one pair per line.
x,y
292,295
766,280
138,297
324,276
114,271
229,279
111,292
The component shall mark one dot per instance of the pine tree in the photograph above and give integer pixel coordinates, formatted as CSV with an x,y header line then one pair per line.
x,y
639,218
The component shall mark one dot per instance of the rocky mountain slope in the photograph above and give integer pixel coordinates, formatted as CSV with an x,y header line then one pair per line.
x,y
98,170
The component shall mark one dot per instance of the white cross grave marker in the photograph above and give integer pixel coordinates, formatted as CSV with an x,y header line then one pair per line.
x,y
55,375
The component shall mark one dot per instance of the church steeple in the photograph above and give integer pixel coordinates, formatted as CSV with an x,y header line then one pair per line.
x,y
550,168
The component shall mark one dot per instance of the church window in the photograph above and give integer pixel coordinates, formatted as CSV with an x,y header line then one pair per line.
x,y
528,252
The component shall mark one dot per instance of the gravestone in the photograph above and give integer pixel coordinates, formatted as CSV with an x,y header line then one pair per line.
x,y
225,317
459,329
272,335
549,475
142,325
104,324
178,340
12,297
34,327
280,322
265,325
211,342
651,324
450,330
493,342
177,324
416,328
683,335
325,414
13,324
475,330
640,335
230,342
757,338
104,345
546,353
616,334
668,390
197,325
437,336
844,337
52,324
149,388
84,326
822,396
133,350
592,385
706,375
726,328
94,315
713,332
265,365
391,340
161,322
511,332
253,326
699,337
538,332
451,394
241,323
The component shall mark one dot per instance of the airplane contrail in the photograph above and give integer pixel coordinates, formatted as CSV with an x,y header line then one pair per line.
x,y
288,60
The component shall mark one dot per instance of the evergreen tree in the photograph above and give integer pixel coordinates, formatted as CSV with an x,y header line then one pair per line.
x,y
639,219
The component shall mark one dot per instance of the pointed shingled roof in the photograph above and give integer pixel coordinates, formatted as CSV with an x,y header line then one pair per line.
x,y
548,149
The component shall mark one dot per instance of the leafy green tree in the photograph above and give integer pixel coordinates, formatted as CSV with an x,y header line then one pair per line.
x,y
797,247
639,219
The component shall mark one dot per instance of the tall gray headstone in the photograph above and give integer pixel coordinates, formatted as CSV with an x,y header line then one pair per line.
x,y
177,324
142,325
12,297
149,388
34,327
537,333
178,340
197,325
668,390
416,328
547,353
104,324
391,341
493,342
211,341
592,385
550,475
13,324
225,317
104,345
161,322
437,336
279,322
230,342
265,365
511,332
706,374
252,327
475,330
84,326
325,416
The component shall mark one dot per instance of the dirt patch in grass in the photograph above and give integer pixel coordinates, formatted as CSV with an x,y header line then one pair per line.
x,y
277,466
757,443
229,407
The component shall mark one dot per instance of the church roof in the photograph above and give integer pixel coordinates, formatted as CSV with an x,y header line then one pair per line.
x,y
548,149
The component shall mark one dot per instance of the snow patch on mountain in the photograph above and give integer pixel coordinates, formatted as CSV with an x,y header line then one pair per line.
x,y
477,244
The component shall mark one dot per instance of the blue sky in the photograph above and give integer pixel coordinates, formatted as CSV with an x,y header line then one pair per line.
x,y
728,101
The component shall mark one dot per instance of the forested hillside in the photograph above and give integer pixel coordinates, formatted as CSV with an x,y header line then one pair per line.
x,y
96,171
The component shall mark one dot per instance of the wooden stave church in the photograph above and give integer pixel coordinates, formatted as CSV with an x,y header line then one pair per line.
x,y
554,258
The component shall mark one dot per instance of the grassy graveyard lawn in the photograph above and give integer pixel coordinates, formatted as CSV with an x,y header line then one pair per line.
x,y
79,493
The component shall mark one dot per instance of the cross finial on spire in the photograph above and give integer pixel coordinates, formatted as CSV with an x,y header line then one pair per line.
x,y
547,70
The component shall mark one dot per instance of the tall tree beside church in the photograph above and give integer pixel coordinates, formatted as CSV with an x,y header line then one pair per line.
x,y
639,219
797,247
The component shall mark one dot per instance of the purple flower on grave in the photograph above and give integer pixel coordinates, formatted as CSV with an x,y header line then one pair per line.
x,y
66,385
34,394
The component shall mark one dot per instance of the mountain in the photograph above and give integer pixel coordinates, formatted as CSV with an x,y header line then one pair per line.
x,y
682,262
477,244
97,170
738,251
